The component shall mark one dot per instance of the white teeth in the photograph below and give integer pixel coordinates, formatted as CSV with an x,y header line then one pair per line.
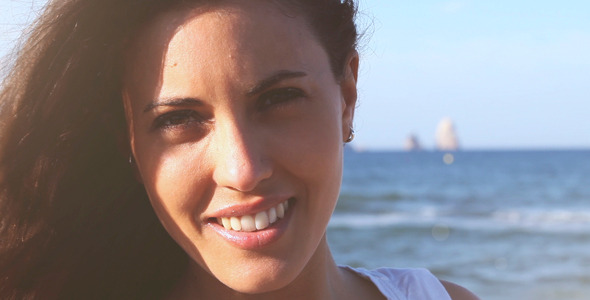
x,y
248,223
259,221
226,223
235,223
280,211
272,215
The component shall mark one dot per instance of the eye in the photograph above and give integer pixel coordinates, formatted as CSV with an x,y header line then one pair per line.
x,y
278,97
177,118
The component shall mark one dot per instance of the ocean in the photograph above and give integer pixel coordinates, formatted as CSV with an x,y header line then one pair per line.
x,y
504,224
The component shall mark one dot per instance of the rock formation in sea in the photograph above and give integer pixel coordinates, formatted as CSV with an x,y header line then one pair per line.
x,y
412,143
446,136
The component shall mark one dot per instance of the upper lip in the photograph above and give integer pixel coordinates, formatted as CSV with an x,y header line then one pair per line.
x,y
249,207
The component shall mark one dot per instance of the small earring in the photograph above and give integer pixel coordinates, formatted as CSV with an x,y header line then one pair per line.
x,y
130,159
350,136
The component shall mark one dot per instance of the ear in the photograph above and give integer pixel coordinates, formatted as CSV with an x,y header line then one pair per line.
x,y
349,92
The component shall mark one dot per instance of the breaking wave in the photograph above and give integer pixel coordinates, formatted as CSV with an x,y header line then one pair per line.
x,y
505,219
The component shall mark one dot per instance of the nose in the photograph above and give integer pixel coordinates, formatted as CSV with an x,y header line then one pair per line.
x,y
240,159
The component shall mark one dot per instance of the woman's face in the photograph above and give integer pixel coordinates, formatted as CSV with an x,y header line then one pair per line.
x,y
234,114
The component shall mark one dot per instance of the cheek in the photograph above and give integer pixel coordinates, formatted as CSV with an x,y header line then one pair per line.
x,y
318,165
315,148
172,176
319,138
173,183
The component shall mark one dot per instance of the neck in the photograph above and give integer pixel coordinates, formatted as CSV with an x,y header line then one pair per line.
x,y
320,279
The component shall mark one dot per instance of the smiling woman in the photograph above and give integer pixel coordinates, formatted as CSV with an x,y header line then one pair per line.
x,y
225,118
245,119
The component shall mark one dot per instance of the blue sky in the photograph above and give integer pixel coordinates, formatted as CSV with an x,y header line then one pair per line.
x,y
511,74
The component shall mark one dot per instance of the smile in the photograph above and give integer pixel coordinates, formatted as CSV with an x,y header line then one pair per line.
x,y
258,221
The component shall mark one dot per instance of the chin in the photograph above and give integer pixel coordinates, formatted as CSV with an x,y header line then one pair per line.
x,y
258,278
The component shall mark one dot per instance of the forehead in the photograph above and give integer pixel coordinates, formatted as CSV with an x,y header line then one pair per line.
x,y
245,36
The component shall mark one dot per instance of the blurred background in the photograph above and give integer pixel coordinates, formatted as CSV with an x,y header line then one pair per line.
x,y
505,224
510,74
472,152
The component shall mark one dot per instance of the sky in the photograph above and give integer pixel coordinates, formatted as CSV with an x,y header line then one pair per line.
x,y
510,74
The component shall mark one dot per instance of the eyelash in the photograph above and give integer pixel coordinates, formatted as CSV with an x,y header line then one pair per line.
x,y
278,97
177,118
185,117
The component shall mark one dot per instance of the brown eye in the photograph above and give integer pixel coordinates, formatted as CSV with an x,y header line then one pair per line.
x,y
177,118
278,97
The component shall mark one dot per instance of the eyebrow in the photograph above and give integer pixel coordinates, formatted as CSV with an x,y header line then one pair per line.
x,y
173,102
274,79
259,87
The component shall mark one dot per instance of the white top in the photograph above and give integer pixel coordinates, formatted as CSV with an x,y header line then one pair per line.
x,y
405,284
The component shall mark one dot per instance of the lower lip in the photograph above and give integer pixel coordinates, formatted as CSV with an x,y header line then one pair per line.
x,y
255,239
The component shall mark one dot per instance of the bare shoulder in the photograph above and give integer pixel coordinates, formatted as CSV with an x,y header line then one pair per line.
x,y
458,292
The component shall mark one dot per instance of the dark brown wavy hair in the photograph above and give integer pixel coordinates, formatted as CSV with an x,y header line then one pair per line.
x,y
74,221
